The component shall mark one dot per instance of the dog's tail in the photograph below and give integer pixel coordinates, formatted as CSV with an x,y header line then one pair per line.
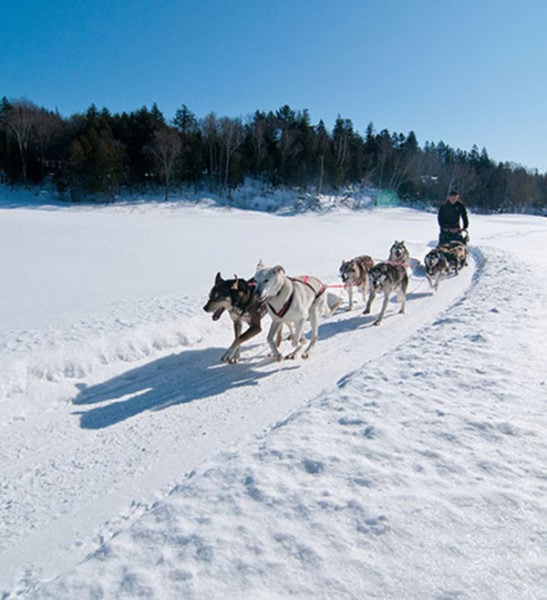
x,y
332,303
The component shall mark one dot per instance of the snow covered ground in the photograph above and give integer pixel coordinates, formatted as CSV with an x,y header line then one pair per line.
x,y
401,461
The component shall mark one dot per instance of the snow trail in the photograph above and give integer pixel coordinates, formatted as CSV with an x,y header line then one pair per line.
x,y
141,430
412,477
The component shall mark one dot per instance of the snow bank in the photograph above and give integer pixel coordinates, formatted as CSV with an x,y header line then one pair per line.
x,y
74,351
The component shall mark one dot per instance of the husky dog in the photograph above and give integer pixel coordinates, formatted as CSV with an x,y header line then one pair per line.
x,y
354,272
238,298
291,300
456,254
436,265
399,254
387,278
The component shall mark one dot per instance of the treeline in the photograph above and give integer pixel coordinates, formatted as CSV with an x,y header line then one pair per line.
x,y
97,153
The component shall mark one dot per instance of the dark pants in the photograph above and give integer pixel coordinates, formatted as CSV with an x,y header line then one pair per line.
x,y
449,236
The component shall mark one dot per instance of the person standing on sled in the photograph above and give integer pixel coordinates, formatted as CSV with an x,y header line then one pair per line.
x,y
451,211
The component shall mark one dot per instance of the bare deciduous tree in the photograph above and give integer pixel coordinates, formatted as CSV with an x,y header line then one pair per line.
x,y
165,149
210,130
231,136
21,120
47,125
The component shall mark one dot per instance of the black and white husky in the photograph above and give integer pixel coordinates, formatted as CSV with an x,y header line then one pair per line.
x,y
291,300
354,272
238,298
388,278
436,266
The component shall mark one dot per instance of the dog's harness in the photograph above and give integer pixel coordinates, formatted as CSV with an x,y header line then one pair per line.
x,y
363,264
283,310
395,263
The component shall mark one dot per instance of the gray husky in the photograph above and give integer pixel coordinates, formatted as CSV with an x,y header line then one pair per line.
x,y
399,254
456,254
354,272
387,278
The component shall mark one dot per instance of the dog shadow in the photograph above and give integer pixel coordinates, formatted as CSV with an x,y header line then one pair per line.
x,y
359,320
329,329
189,376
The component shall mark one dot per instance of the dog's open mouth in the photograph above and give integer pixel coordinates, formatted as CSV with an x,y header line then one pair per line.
x,y
217,313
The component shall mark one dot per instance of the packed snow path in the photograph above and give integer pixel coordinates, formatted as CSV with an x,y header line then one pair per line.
x,y
122,440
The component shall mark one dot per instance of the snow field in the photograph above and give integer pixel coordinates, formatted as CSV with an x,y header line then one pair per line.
x,y
400,461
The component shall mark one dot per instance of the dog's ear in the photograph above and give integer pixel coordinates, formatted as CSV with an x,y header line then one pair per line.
x,y
236,281
218,278
260,265
279,269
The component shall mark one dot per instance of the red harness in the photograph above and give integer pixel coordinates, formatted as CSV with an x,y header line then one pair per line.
x,y
283,310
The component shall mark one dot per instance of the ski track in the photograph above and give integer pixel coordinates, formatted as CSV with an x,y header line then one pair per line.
x,y
175,410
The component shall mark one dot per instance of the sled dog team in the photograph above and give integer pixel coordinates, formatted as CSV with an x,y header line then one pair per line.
x,y
291,301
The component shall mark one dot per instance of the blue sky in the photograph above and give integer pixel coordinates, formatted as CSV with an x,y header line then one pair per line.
x,y
465,72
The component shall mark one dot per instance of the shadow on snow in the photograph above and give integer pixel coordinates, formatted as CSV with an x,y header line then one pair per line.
x,y
176,379
192,375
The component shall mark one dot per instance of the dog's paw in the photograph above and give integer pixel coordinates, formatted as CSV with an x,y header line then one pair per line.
x,y
305,355
230,357
291,356
377,323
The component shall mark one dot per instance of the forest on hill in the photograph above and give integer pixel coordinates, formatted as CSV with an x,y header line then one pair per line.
x,y
97,154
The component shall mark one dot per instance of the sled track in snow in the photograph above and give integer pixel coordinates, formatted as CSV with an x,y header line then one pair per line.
x,y
140,431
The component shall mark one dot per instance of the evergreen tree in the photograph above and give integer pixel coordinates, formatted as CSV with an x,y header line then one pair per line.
x,y
191,164
96,152
96,159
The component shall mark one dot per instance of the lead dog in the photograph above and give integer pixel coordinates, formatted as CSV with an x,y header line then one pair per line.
x,y
436,266
387,278
399,254
354,272
238,298
291,300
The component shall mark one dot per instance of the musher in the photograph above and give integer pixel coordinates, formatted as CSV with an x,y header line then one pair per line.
x,y
451,211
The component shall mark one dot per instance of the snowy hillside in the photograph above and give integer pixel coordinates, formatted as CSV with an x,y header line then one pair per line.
x,y
400,461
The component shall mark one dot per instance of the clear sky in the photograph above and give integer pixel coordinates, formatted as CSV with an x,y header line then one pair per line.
x,y
462,71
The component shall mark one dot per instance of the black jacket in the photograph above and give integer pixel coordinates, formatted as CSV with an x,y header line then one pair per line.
x,y
450,214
